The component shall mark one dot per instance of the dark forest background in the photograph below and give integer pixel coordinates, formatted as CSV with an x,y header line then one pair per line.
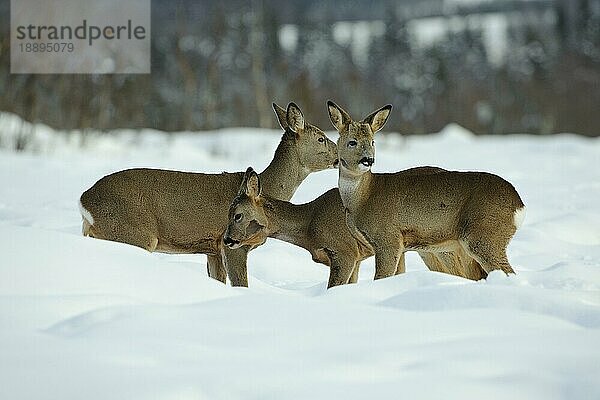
x,y
221,63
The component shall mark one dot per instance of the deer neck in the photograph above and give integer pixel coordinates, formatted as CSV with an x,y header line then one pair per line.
x,y
353,188
285,173
288,222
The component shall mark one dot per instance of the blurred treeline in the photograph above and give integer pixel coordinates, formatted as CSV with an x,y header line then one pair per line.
x,y
221,63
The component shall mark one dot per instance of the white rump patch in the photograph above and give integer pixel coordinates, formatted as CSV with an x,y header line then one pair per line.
x,y
85,214
519,216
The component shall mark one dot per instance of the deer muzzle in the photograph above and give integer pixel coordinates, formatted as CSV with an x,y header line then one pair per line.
x,y
367,161
229,242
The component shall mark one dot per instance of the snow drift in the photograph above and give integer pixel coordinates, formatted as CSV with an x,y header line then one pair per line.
x,y
84,317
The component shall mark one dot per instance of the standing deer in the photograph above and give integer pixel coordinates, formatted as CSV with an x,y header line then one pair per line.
x,y
318,226
184,212
458,219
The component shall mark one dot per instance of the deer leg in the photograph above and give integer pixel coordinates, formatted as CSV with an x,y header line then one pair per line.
x,y
485,239
473,269
235,261
455,262
431,261
469,267
387,258
340,271
354,276
490,256
401,268
450,263
215,267
86,228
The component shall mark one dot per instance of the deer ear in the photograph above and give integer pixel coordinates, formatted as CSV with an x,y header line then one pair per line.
x,y
281,116
295,118
250,184
378,118
253,185
253,227
339,118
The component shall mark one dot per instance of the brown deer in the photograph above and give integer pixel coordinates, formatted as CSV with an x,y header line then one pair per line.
x,y
459,220
318,226
184,212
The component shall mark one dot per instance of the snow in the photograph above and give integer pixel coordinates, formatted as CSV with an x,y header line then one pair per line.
x,y
81,317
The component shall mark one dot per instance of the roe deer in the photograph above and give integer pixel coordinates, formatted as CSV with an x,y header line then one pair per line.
x,y
318,226
184,212
461,220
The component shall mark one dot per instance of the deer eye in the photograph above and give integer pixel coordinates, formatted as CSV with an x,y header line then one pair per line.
x,y
321,140
352,143
237,217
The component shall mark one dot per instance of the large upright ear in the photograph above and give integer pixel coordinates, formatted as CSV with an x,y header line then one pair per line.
x,y
281,116
339,118
377,119
250,184
295,118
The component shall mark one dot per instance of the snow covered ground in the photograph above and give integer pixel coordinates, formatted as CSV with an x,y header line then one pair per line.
x,y
84,318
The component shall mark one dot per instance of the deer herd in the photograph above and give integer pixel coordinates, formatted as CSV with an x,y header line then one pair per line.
x,y
459,223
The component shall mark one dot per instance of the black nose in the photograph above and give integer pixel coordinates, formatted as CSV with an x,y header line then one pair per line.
x,y
367,161
229,241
